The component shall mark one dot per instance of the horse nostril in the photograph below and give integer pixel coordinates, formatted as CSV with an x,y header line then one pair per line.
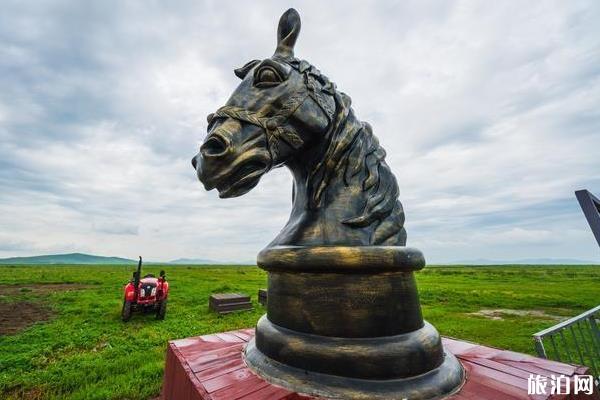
x,y
194,162
214,146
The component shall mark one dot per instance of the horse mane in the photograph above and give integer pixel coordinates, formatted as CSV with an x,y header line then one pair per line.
x,y
354,154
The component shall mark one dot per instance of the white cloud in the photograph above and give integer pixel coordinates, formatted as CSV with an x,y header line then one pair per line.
x,y
488,113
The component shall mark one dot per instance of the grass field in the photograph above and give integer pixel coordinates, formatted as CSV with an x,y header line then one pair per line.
x,y
84,351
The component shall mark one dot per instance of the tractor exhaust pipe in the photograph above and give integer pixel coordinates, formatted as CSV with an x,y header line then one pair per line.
x,y
138,274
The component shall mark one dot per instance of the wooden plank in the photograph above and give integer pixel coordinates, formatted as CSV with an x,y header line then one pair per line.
x,y
245,337
169,377
225,380
197,391
223,298
548,365
528,368
181,384
474,390
204,360
553,368
232,306
220,368
203,347
505,383
211,338
270,392
190,352
224,303
201,365
505,368
241,390
297,396
479,352
249,331
518,372
230,337
196,395
187,342
514,356
457,347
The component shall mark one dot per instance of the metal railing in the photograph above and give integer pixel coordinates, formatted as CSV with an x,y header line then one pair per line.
x,y
576,341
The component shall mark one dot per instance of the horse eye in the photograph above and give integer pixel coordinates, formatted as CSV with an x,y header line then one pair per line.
x,y
268,76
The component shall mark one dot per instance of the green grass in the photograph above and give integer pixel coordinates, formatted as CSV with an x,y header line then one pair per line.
x,y
86,352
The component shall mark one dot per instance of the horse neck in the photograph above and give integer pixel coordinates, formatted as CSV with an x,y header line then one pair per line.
x,y
325,167
359,202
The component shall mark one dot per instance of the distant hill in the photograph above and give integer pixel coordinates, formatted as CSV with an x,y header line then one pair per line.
x,y
525,261
72,258
80,258
195,261
204,261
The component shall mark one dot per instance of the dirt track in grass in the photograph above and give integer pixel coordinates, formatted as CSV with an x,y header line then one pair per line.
x,y
14,317
40,288
502,313
20,312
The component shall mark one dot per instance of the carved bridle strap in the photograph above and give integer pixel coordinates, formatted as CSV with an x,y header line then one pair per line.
x,y
273,126
317,92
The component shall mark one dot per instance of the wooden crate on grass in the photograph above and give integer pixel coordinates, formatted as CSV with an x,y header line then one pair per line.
x,y
224,303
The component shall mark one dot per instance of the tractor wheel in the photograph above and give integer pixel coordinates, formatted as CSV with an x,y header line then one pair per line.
x,y
162,310
126,311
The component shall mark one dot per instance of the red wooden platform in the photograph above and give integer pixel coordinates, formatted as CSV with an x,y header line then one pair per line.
x,y
210,367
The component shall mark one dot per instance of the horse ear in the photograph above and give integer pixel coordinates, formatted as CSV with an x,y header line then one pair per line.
x,y
243,71
287,33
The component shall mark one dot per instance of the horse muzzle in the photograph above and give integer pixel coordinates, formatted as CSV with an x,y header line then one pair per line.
x,y
232,170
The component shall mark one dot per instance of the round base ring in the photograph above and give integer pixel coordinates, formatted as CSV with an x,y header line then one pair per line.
x,y
440,382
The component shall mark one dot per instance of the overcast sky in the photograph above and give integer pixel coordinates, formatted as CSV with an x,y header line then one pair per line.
x,y
489,112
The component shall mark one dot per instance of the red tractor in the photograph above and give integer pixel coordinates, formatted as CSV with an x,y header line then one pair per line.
x,y
148,294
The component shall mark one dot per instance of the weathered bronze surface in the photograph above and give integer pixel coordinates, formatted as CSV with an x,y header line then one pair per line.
x,y
343,314
286,112
262,297
344,296
345,322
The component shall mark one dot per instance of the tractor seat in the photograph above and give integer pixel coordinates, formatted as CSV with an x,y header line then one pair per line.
x,y
149,276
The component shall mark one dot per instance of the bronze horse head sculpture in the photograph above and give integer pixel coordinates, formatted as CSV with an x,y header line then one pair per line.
x,y
343,314
286,112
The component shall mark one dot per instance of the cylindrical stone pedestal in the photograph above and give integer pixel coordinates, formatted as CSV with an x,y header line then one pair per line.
x,y
345,322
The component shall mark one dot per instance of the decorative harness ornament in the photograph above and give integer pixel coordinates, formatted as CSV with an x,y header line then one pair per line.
x,y
273,126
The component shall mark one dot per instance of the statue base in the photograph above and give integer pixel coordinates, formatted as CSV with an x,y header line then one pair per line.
x,y
441,381
345,322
